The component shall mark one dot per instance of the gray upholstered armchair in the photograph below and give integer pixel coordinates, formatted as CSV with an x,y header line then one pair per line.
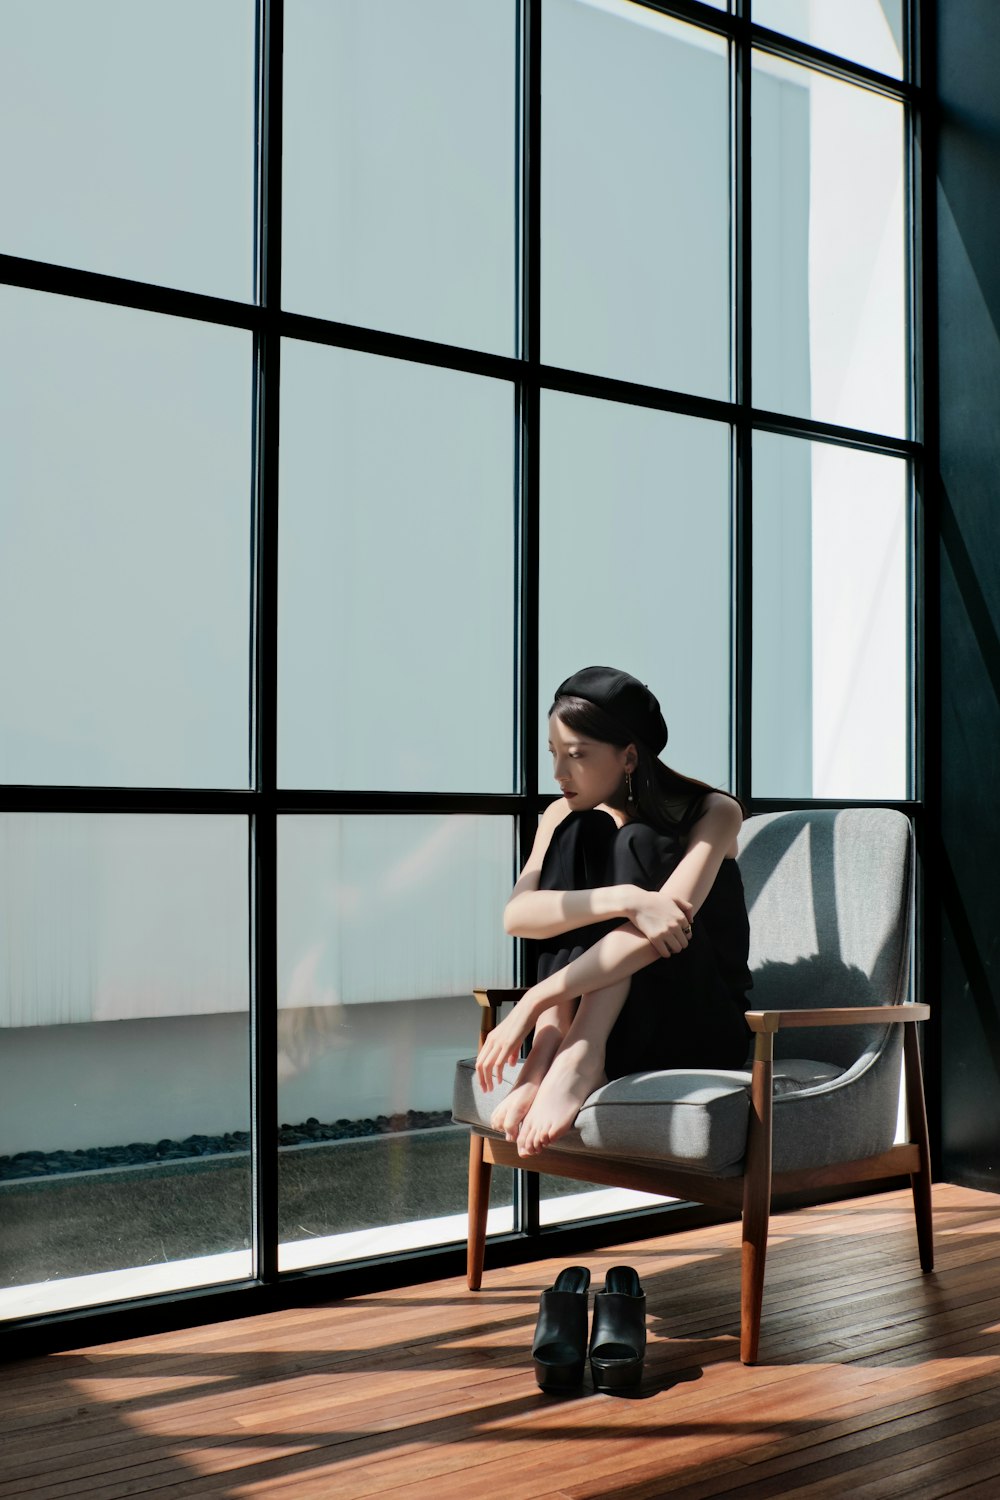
x,y
830,901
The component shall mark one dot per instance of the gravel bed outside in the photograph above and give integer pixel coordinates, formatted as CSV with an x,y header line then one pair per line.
x,y
26,1164
54,1225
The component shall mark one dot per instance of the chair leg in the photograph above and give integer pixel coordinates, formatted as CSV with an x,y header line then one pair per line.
x,y
756,1200
480,1173
756,1216
920,1182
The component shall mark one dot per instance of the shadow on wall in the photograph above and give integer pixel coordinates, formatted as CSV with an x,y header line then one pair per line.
x,y
820,980
968,291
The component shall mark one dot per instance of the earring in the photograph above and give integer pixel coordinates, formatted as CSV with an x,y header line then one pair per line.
x,y
629,794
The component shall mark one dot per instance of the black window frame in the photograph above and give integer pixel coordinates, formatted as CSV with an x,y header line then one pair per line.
x,y
265,802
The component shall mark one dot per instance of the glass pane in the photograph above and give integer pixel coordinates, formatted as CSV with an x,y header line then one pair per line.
x,y
400,148
385,925
125,495
635,565
866,31
124,1064
635,196
396,594
130,132
830,637
562,1201
829,250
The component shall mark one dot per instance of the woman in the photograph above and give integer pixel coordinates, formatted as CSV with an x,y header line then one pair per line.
x,y
634,898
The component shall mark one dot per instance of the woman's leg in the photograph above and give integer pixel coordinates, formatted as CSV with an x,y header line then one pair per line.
x,y
587,850
578,858
680,1012
576,1070
677,1012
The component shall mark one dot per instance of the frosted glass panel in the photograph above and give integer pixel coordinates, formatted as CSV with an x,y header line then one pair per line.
x,y
378,909
400,149
635,565
830,626
129,132
397,575
385,925
829,262
635,196
125,501
866,31
124,1056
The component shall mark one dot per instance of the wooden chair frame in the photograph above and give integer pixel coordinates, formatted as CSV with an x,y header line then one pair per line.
x,y
752,1191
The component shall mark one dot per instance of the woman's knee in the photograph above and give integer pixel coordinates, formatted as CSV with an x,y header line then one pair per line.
x,y
580,850
638,857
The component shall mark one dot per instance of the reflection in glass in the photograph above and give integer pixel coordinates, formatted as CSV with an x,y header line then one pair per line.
x,y
396,591
124,1065
866,31
635,565
129,134
399,158
829,262
830,635
635,196
385,926
125,469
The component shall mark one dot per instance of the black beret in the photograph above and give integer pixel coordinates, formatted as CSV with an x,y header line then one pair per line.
x,y
624,698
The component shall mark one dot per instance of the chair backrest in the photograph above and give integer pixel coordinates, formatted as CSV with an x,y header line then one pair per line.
x,y
829,895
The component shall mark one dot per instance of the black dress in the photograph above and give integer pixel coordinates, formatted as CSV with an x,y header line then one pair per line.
x,y
685,1011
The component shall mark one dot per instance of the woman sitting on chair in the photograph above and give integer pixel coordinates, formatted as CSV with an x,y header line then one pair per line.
x,y
633,895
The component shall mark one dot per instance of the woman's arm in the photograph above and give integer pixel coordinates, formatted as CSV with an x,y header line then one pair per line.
x,y
660,915
531,913
713,837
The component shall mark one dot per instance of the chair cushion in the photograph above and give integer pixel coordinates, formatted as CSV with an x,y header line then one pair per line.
x,y
695,1119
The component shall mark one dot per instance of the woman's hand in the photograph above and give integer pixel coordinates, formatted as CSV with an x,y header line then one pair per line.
x,y
503,1045
664,920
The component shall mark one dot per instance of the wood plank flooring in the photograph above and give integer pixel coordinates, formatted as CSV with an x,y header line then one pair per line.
x,y
875,1381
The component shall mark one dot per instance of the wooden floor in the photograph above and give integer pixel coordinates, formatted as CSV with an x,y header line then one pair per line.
x,y
875,1381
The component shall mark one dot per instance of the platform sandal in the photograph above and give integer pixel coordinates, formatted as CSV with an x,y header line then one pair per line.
x,y
559,1350
618,1336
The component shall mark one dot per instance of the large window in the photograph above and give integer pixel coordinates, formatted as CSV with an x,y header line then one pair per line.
x,y
366,369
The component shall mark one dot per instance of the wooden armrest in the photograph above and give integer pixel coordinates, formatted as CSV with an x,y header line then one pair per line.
x,y
492,999
855,1015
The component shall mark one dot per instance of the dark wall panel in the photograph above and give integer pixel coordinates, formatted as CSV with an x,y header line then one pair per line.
x,y
968,235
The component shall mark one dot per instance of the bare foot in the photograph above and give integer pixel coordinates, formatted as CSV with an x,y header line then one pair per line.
x,y
509,1115
576,1071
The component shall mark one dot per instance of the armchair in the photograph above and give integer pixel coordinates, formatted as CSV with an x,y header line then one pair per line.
x,y
830,900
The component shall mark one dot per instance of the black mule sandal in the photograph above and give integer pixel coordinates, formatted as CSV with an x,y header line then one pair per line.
x,y
618,1337
559,1349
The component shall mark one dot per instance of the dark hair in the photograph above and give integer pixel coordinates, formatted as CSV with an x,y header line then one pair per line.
x,y
664,798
